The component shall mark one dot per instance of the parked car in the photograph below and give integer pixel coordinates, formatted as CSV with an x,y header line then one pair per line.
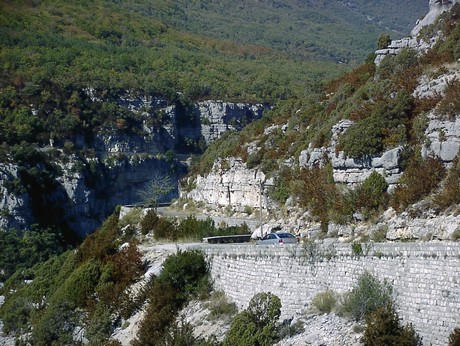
x,y
278,238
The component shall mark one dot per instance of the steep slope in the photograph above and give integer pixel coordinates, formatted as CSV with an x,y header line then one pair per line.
x,y
96,100
378,137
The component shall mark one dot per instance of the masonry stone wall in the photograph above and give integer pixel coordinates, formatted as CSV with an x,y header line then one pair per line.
x,y
425,277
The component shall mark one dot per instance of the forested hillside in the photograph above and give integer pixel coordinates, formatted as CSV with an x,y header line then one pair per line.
x,y
337,31
65,64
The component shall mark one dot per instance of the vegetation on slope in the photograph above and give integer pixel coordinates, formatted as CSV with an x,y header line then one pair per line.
x,y
385,114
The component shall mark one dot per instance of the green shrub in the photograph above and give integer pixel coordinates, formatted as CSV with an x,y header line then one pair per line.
x,y
219,305
165,229
290,330
456,235
181,334
356,249
281,189
78,288
383,328
325,302
363,139
56,325
255,325
383,41
380,235
420,178
188,272
368,295
148,222
454,337
450,192
193,228
372,194
382,129
99,325
22,250
184,276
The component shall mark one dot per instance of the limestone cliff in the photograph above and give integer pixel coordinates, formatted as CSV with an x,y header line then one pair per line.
x,y
437,7
122,165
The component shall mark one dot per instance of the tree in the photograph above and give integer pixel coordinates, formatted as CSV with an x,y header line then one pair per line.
x,y
454,337
256,326
372,194
368,295
383,41
158,187
384,328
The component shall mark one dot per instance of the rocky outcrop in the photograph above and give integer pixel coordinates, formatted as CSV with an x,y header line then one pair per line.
x,y
125,161
203,121
93,195
14,201
230,183
437,7
83,196
348,170
217,117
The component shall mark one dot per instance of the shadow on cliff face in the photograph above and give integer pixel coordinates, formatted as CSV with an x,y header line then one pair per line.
x,y
48,200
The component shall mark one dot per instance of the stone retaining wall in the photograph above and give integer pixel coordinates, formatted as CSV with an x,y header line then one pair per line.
x,y
425,277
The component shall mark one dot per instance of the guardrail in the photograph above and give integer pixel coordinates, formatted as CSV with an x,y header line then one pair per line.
x,y
228,239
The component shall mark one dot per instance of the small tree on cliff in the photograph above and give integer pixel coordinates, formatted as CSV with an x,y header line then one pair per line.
x,y
383,41
158,187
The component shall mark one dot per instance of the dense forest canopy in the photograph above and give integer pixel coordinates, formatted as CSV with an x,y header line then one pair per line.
x,y
338,31
102,45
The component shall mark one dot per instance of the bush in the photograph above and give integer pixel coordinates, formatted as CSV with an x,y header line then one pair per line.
x,y
383,328
383,41
148,222
22,251
316,190
372,194
325,302
454,337
449,106
219,305
184,275
255,325
356,249
193,228
187,272
56,325
420,178
450,192
165,229
368,295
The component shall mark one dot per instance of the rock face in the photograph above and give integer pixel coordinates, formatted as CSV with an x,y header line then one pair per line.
x,y
14,203
218,117
124,163
230,183
180,125
352,171
437,7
